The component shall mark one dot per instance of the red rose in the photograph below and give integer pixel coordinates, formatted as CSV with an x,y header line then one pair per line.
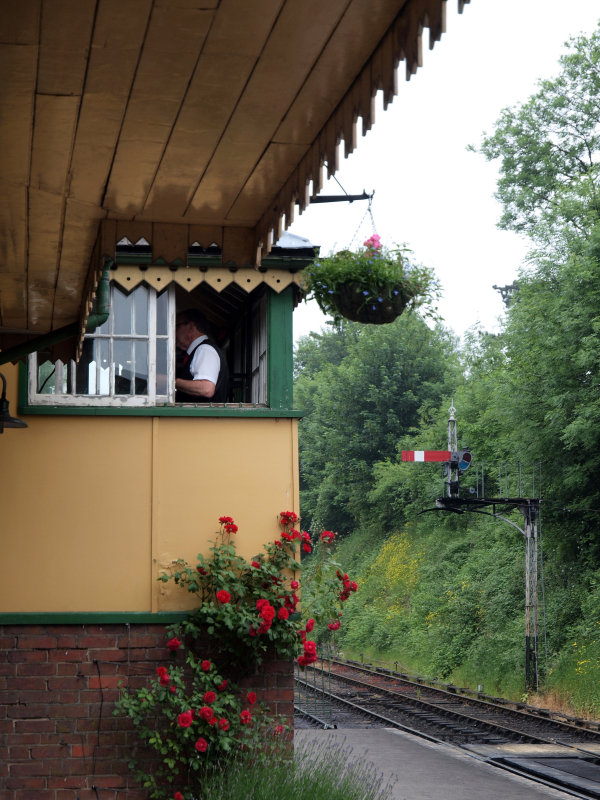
x,y
226,519
283,613
201,745
223,597
185,719
161,671
206,665
251,698
333,626
212,720
205,712
209,698
310,625
177,796
327,536
294,584
353,586
224,724
277,543
310,647
260,603
231,527
307,548
245,717
267,612
173,689
223,685
256,564
174,644
278,729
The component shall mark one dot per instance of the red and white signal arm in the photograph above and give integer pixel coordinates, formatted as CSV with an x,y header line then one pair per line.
x,y
426,455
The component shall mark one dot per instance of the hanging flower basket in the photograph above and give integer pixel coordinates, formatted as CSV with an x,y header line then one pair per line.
x,y
372,285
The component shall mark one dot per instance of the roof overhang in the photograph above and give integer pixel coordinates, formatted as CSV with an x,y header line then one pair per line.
x,y
180,122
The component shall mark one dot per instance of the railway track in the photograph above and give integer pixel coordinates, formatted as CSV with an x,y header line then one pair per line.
x,y
554,749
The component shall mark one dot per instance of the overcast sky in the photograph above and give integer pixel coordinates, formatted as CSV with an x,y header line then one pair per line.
x,y
429,191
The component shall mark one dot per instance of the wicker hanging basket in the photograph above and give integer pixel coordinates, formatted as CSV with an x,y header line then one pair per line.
x,y
350,302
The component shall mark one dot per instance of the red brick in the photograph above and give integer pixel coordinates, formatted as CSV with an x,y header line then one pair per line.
x,y
18,656
25,783
67,640
109,655
39,642
44,669
34,725
68,655
108,682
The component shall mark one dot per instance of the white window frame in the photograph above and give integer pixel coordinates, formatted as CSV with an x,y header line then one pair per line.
x,y
113,399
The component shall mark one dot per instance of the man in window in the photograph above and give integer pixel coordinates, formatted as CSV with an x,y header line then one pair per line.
x,y
202,375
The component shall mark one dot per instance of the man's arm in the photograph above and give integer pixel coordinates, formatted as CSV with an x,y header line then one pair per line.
x,y
201,388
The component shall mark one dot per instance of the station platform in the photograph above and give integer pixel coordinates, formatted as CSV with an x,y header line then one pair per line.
x,y
422,770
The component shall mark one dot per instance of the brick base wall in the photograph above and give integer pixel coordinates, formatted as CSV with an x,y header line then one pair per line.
x,y
58,685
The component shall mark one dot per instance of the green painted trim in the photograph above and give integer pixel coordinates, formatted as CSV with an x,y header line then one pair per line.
x,y
280,353
22,398
90,617
159,411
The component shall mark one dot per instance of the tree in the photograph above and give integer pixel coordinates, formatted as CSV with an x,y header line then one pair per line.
x,y
549,151
358,408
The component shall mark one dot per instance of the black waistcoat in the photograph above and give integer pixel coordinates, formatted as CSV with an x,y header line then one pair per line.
x,y
222,387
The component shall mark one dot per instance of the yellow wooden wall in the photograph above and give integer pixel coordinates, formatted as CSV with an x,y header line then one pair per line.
x,y
93,508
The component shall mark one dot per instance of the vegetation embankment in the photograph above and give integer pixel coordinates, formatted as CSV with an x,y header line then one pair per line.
x,y
444,593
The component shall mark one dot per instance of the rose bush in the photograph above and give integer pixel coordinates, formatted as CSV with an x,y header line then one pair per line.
x,y
192,715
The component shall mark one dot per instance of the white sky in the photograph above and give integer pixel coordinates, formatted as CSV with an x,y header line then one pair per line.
x,y
429,191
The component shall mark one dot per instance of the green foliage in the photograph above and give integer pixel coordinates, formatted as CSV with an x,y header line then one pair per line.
x,y
377,278
549,149
385,381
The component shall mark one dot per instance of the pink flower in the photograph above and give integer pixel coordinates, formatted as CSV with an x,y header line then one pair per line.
x,y
223,597
209,698
251,698
245,717
185,719
206,665
373,242
174,644
201,745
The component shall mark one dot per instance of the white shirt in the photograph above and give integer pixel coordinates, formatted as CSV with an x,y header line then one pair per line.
x,y
205,364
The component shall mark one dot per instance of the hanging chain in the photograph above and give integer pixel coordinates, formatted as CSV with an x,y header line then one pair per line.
x,y
368,212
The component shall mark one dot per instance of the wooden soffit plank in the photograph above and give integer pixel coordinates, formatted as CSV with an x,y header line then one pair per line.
x,y
169,56
229,55
278,77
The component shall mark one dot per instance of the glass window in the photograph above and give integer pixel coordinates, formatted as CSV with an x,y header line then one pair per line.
x,y
126,361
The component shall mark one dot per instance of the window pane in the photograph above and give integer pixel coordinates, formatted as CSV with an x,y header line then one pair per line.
x,y
122,308
140,307
162,307
161,366
85,373
141,367
46,378
123,350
